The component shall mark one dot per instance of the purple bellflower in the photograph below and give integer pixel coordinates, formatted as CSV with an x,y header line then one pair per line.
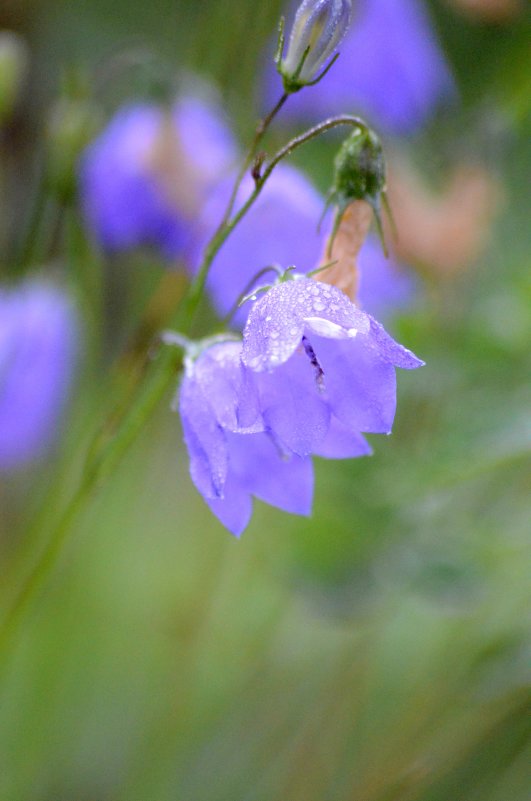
x,y
281,228
143,180
38,335
391,69
313,373
229,462
343,358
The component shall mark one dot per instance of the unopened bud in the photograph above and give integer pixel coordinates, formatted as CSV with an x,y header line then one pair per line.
x,y
359,169
13,67
317,31
359,175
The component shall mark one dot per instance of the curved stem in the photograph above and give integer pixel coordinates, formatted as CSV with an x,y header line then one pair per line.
x,y
261,130
307,136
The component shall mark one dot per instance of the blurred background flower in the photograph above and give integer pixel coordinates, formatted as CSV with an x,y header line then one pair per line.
x,y
144,179
38,341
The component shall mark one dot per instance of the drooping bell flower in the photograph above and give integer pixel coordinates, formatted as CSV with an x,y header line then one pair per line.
x,y
352,357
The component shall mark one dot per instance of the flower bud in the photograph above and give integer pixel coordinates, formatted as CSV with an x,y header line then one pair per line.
x,y
13,66
359,169
317,31
359,175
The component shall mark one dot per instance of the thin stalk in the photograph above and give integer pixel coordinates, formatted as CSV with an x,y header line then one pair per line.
x,y
261,130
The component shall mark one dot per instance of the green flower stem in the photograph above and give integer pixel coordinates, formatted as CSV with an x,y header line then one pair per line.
x,y
261,130
100,463
122,427
312,133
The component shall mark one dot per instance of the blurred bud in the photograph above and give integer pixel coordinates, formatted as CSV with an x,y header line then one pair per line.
x,y
13,67
318,29
72,124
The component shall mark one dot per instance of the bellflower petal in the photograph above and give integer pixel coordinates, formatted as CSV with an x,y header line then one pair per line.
x,y
280,401
392,351
278,320
360,386
286,483
352,361
234,510
204,439
229,463
342,443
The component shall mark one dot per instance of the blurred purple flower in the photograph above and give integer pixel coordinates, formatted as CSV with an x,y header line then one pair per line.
x,y
37,345
280,229
391,69
230,463
143,180
343,359
386,287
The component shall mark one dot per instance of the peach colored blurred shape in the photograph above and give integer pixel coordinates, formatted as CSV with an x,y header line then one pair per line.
x,y
490,10
348,241
443,234
179,183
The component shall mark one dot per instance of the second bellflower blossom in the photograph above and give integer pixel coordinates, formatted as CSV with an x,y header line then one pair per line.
x,y
351,356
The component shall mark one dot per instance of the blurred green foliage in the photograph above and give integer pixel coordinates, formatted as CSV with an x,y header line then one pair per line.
x,y
377,652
